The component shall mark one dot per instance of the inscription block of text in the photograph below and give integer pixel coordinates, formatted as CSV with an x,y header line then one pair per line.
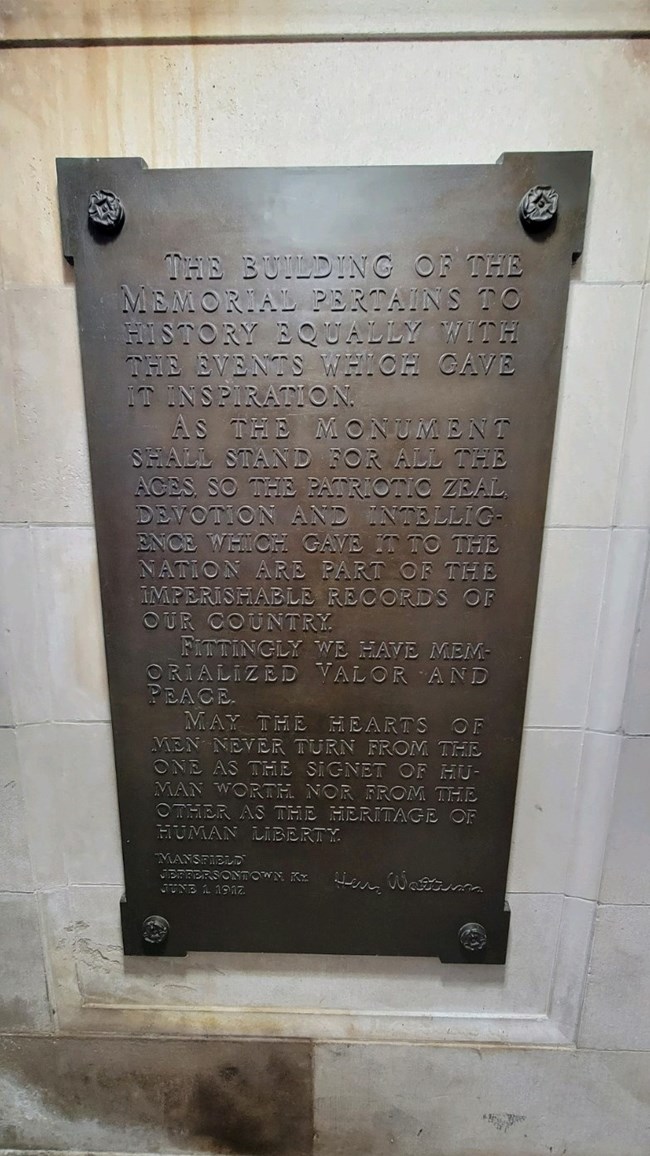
x,y
320,410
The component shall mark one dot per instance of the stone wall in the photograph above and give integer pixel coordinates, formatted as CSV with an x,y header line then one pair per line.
x,y
279,1054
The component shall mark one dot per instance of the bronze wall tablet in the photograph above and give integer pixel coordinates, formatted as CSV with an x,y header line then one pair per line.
x,y
320,407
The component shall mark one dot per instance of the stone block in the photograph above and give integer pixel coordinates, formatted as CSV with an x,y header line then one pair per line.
x,y
616,1010
164,1096
626,876
602,322
24,1004
15,865
452,1101
568,608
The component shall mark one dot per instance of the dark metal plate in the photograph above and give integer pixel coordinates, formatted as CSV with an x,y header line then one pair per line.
x,y
320,408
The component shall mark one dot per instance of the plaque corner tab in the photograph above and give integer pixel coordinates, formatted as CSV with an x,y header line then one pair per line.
x,y
582,182
150,935
564,175
478,938
77,178
66,172
130,940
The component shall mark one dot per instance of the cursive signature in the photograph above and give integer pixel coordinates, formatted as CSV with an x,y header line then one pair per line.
x,y
345,880
399,881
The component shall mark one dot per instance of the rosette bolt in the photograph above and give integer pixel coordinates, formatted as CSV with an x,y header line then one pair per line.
x,y
472,937
106,214
538,208
155,930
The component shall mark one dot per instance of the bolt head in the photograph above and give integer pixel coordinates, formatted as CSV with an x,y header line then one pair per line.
x,y
155,930
473,937
106,214
538,208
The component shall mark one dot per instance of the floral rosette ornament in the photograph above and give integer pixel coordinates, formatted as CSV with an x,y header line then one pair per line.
x,y
105,212
538,208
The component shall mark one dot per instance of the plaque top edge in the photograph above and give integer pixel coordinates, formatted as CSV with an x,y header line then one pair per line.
x,y
570,170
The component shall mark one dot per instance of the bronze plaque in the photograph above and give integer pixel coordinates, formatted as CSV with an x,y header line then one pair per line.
x,y
320,409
